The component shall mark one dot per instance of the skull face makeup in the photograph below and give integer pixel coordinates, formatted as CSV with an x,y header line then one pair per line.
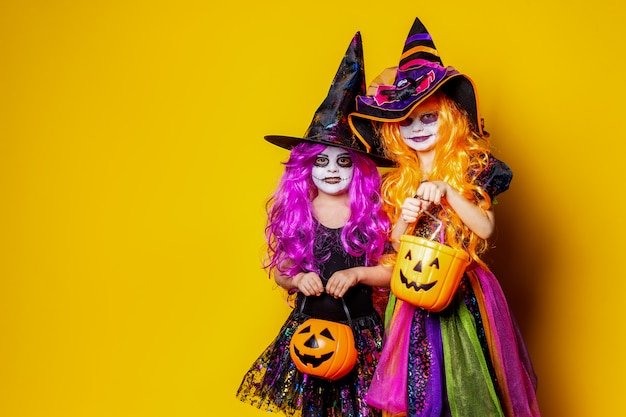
x,y
333,170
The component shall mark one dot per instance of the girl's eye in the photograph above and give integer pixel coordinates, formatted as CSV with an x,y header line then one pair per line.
x,y
406,122
321,161
344,161
428,118
424,118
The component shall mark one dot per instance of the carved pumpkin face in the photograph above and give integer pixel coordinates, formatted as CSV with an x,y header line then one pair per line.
x,y
427,273
323,348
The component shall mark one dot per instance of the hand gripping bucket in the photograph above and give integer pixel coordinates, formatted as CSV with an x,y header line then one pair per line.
x,y
427,273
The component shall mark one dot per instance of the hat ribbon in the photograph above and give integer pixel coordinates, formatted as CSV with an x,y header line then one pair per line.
x,y
404,89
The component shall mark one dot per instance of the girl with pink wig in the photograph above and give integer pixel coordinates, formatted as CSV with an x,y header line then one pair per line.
x,y
326,233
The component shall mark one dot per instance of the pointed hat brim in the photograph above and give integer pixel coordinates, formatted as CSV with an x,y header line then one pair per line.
x,y
288,142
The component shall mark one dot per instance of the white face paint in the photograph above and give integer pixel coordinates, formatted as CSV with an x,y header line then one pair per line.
x,y
420,129
333,169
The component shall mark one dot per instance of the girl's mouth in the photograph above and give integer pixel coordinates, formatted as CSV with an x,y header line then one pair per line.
x,y
420,139
332,180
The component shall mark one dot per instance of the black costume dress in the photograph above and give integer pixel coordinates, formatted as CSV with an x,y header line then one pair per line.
x,y
273,382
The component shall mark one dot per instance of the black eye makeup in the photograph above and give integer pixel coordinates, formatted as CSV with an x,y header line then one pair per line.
x,y
321,161
344,161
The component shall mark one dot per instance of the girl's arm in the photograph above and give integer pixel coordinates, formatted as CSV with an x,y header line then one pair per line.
x,y
404,221
477,219
374,276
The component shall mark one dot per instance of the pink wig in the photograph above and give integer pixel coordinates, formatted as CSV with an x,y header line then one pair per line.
x,y
290,229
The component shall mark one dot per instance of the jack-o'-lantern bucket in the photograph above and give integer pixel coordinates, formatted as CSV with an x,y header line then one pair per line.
x,y
427,273
324,348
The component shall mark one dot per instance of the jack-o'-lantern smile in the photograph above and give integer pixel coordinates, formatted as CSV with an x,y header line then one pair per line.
x,y
415,285
418,270
311,359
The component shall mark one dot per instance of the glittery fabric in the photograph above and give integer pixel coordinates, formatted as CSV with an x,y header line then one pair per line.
x,y
496,178
274,384
468,360
424,386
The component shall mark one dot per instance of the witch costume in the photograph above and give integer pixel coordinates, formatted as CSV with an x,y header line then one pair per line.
x,y
273,382
468,359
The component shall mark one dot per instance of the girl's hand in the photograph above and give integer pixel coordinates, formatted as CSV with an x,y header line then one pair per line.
x,y
427,193
431,192
341,281
308,283
478,220
411,209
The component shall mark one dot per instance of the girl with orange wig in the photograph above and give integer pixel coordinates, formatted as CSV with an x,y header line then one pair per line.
x,y
466,358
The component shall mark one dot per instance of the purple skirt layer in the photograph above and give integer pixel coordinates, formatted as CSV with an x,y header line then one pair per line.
x,y
468,360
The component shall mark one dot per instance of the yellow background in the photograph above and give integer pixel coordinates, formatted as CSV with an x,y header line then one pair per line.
x,y
133,176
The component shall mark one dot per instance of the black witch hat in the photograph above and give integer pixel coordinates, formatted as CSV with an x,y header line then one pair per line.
x,y
330,122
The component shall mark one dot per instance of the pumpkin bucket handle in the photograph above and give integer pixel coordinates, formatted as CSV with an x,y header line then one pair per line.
x,y
345,308
439,230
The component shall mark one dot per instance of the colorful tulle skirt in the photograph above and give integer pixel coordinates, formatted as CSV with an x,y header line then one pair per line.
x,y
274,384
468,360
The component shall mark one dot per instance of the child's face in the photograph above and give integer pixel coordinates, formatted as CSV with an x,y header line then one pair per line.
x,y
420,129
332,171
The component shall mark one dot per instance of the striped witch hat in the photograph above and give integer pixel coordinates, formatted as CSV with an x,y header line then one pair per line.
x,y
419,74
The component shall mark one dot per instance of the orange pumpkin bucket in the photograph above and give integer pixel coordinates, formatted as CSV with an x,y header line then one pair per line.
x,y
427,273
324,348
